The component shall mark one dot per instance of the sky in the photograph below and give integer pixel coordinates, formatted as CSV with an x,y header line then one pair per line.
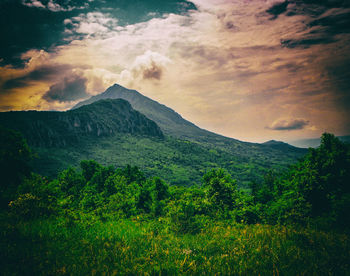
x,y
253,70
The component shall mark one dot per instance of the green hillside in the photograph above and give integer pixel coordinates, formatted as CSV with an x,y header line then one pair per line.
x,y
177,161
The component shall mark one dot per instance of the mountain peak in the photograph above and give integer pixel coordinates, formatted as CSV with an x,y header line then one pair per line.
x,y
168,120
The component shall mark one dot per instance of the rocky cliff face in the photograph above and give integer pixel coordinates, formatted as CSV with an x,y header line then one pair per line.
x,y
102,118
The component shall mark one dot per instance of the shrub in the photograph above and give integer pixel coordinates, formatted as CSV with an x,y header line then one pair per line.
x,y
28,206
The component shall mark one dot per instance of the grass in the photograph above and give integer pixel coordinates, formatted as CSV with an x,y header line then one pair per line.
x,y
148,247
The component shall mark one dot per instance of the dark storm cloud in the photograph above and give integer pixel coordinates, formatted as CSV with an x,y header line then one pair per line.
x,y
277,9
334,24
70,89
326,20
290,124
312,8
24,28
43,73
306,42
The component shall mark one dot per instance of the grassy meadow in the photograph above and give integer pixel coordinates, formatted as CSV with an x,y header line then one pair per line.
x,y
143,247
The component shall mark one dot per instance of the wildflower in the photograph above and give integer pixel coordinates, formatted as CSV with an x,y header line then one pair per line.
x,y
187,251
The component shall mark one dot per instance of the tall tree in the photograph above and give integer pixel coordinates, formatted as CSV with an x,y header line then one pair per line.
x,y
14,161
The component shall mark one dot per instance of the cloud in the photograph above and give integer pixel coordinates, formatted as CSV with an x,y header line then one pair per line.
x,y
306,42
227,66
277,9
323,21
70,89
51,5
222,74
150,66
153,71
288,124
95,23
39,74
33,3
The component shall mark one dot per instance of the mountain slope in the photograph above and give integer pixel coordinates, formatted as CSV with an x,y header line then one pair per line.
x,y
174,125
169,121
102,118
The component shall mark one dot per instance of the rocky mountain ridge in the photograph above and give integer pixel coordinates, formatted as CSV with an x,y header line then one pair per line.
x,y
102,118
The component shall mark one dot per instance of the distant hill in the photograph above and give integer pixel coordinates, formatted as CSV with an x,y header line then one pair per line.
x,y
315,142
102,118
282,146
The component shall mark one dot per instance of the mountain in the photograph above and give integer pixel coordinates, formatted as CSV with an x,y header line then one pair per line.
x,y
121,126
102,118
315,142
172,124
169,121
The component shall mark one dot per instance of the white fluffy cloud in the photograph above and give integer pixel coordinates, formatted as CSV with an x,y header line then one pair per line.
x,y
92,23
50,5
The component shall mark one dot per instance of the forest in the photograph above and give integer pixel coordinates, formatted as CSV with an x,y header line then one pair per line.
x,y
102,220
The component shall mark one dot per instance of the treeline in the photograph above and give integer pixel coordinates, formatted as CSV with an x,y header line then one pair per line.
x,y
315,191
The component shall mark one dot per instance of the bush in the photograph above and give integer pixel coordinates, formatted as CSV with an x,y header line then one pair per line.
x,y
28,206
183,218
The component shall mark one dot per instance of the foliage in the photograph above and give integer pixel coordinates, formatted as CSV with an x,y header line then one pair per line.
x,y
28,206
14,162
178,162
316,188
118,220
221,189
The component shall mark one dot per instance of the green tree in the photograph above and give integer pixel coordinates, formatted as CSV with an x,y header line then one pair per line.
x,y
132,174
89,167
316,188
99,179
331,163
159,192
124,200
263,192
220,188
14,162
144,198
70,181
